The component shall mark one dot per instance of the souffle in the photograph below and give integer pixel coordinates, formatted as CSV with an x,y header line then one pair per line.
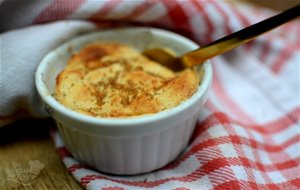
x,y
114,80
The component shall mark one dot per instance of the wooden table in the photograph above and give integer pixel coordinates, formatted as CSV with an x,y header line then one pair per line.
x,y
274,4
25,142
29,141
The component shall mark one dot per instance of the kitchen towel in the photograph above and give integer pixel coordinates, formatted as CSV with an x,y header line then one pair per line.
x,y
248,134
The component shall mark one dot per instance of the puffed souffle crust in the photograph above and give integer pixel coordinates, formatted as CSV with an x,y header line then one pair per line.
x,y
115,80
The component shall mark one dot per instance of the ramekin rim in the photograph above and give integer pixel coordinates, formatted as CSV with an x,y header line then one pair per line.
x,y
137,120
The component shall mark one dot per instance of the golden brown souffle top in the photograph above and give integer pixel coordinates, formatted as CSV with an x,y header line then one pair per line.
x,y
115,80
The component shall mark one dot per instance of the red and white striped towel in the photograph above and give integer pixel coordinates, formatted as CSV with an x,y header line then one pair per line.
x,y
248,136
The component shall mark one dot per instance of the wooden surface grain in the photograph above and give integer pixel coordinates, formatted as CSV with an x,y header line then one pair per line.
x,y
274,4
29,141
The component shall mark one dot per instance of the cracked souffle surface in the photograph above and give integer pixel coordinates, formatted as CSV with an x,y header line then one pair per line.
x,y
115,80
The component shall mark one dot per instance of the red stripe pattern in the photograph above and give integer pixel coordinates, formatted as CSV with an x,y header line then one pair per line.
x,y
58,10
247,137
228,161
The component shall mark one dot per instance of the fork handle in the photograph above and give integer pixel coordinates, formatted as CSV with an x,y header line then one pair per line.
x,y
238,38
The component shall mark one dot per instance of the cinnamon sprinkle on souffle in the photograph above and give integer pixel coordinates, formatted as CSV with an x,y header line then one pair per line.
x,y
115,80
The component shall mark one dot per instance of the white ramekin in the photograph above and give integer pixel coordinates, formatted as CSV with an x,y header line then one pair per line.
x,y
130,145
